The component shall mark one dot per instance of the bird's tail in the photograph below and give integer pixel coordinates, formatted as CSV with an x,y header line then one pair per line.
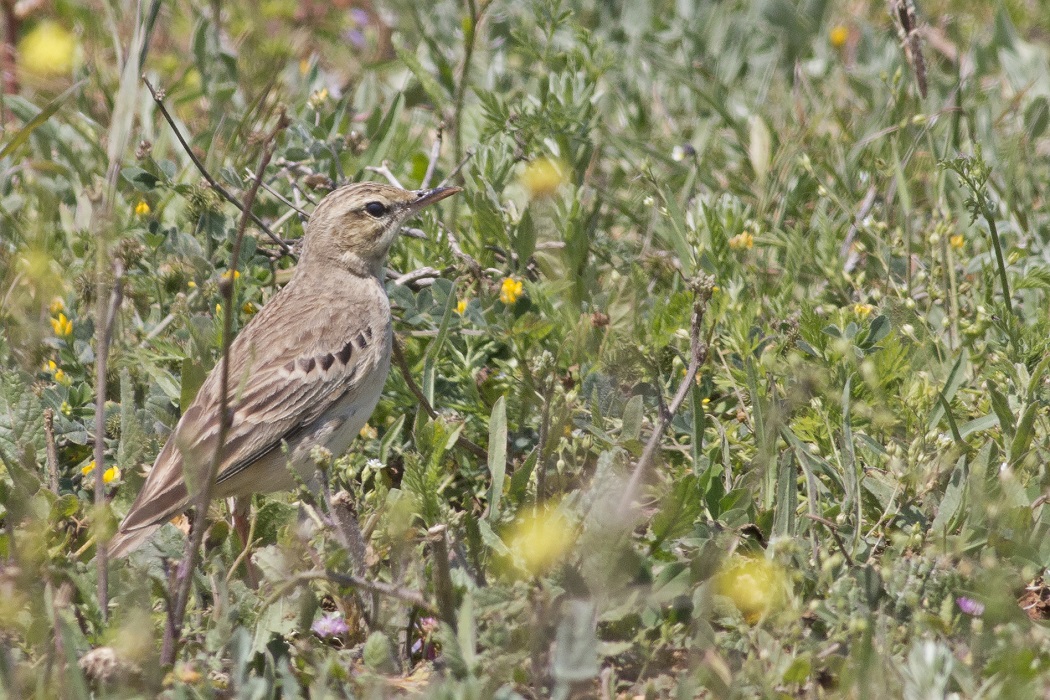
x,y
126,541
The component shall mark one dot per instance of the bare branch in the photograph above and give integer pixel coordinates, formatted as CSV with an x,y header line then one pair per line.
x,y
52,449
697,356
158,99
183,577
435,153
384,170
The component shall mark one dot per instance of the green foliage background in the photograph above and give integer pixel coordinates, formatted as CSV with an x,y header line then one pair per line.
x,y
864,453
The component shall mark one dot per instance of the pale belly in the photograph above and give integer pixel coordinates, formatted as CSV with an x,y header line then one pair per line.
x,y
335,431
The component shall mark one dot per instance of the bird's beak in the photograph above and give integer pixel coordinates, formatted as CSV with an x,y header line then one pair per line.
x,y
425,198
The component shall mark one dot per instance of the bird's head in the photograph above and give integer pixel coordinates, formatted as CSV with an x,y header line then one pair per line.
x,y
355,225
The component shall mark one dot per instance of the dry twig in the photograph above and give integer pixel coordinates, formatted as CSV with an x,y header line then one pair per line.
x,y
702,288
183,579
158,99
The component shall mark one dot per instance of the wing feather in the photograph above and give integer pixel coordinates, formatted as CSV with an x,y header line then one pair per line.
x,y
280,383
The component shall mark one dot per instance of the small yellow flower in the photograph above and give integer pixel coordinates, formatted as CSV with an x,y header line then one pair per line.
x,y
218,309
88,468
541,540
510,291
191,284
755,585
742,241
956,241
705,401
461,307
838,36
249,308
110,475
543,176
57,305
62,326
142,208
863,310
368,432
62,378
50,366
236,274
47,50
318,98
65,408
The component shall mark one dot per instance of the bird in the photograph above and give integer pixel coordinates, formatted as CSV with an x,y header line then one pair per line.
x,y
306,371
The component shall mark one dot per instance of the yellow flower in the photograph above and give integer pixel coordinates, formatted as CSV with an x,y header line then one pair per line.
x,y
755,585
540,540
218,309
88,468
50,366
47,50
510,291
191,284
236,274
62,378
838,36
742,241
111,474
461,307
249,308
368,432
863,310
318,98
956,241
543,176
705,401
142,208
62,326
57,305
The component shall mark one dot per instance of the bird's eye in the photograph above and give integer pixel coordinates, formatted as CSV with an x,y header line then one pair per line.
x,y
376,209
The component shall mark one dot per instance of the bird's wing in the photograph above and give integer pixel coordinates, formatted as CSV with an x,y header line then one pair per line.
x,y
282,377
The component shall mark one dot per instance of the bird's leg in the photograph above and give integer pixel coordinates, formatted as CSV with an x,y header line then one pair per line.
x,y
242,525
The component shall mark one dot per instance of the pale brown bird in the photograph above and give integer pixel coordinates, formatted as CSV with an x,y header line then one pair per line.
x,y
306,371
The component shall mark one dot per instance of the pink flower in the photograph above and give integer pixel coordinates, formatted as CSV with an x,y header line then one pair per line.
x,y
970,606
330,625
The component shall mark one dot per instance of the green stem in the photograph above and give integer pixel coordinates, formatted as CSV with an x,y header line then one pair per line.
x,y
1000,262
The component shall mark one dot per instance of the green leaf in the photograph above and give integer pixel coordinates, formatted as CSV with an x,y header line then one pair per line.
x,y
1001,407
632,419
39,118
21,429
1025,432
955,380
497,455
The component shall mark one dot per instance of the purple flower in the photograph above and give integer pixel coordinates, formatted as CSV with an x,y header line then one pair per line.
x,y
355,37
970,606
330,625
359,16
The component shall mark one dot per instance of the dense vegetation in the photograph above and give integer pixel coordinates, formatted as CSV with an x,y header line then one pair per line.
x,y
848,500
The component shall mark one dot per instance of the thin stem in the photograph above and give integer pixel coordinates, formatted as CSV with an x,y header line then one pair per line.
x,y
106,311
52,449
158,99
698,355
1000,261
183,579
